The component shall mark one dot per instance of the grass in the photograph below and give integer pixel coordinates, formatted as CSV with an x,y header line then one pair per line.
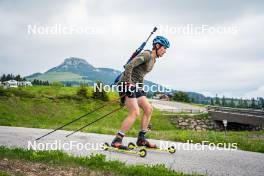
x,y
3,173
245,140
51,107
59,76
94,162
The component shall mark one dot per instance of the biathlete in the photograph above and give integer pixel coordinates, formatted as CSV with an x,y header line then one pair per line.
x,y
133,96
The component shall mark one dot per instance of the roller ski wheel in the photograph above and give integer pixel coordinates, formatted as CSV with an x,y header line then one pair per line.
x,y
142,152
106,146
172,150
133,146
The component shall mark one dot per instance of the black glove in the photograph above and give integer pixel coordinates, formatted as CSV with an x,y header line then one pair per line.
x,y
130,89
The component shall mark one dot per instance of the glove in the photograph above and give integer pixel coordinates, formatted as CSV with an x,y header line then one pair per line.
x,y
129,89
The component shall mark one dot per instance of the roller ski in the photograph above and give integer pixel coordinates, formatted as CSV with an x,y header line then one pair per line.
x,y
142,143
117,145
124,149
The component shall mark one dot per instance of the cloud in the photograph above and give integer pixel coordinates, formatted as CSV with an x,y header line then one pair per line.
x,y
259,92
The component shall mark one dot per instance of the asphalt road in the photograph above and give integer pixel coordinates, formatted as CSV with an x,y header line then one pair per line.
x,y
187,159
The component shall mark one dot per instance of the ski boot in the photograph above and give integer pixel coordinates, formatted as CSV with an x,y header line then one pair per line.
x,y
117,143
143,142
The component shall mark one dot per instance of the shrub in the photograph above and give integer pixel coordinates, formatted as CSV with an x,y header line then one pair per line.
x,y
82,91
100,94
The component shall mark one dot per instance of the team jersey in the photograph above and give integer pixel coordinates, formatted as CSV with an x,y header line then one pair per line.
x,y
136,69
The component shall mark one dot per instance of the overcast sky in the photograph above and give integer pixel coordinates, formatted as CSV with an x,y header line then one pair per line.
x,y
228,60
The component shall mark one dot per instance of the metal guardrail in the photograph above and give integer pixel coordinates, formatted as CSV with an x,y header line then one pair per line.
x,y
237,110
183,110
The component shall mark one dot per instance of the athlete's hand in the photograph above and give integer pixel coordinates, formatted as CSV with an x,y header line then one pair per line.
x,y
129,89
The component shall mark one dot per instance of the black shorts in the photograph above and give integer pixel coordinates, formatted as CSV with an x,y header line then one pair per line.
x,y
136,94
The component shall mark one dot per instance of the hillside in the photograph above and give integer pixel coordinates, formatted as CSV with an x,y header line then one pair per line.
x,y
77,70
50,107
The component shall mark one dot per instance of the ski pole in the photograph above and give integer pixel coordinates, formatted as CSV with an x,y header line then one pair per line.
x,y
95,121
104,105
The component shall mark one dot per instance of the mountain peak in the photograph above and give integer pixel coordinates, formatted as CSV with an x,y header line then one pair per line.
x,y
74,65
74,61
